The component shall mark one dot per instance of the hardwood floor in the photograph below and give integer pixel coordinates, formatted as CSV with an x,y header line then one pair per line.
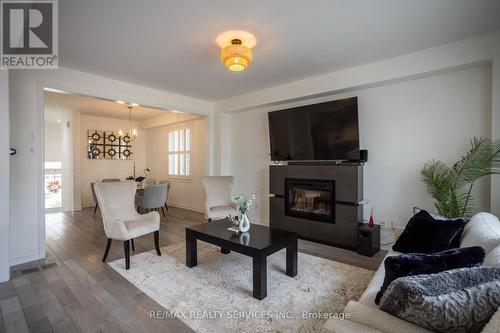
x,y
71,290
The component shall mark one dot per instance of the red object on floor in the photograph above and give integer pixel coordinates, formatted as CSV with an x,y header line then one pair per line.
x,y
371,223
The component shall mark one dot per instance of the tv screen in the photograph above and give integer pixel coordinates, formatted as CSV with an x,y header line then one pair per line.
x,y
324,131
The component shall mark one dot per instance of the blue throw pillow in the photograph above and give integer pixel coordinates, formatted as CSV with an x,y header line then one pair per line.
x,y
424,234
419,263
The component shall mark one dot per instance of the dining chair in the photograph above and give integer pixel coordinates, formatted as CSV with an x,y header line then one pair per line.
x,y
120,219
167,183
218,203
92,189
111,180
153,198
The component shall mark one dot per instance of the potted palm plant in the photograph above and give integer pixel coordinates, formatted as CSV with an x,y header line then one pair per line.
x,y
451,186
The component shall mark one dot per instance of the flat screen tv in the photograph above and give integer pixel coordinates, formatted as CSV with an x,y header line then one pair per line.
x,y
318,132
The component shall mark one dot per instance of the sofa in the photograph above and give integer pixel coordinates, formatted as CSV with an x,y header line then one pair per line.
x,y
364,315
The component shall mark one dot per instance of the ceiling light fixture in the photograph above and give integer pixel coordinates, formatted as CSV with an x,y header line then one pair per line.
x,y
131,133
236,57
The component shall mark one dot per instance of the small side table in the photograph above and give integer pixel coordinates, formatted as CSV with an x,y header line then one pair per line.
x,y
368,239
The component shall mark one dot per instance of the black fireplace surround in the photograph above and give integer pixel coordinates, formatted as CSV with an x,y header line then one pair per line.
x,y
311,199
322,203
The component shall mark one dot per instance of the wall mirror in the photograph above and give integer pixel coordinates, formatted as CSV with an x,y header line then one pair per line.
x,y
108,145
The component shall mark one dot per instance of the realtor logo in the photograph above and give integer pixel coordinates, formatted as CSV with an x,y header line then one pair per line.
x,y
29,34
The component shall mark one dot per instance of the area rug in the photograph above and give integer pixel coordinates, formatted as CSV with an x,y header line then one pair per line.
x,y
216,295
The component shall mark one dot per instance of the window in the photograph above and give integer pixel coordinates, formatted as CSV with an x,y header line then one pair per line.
x,y
53,185
179,157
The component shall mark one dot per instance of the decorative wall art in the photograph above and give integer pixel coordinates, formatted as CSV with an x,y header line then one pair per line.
x,y
108,145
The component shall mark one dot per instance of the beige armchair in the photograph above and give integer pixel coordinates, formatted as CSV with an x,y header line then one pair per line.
x,y
218,190
120,219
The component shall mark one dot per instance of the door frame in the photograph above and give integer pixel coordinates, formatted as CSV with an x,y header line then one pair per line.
x,y
5,180
41,85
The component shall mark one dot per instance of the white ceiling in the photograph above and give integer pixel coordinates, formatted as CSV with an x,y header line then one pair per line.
x,y
54,102
170,45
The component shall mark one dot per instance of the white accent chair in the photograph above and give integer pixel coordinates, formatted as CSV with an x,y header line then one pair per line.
x,y
120,219
218,203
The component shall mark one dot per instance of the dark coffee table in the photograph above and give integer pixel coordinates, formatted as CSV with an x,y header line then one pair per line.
x,y
259,242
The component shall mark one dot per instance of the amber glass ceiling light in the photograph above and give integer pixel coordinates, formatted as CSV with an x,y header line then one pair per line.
x,y
236,57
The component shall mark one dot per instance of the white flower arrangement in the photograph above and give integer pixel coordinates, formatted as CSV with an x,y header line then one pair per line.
x,y
244,204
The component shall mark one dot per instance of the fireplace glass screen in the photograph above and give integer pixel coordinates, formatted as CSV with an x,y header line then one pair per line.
x,y
312,199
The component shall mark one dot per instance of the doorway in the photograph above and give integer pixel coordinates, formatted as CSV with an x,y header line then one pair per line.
x,y
53,164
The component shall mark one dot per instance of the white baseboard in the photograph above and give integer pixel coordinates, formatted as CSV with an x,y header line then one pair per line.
x,y
183,206
22,260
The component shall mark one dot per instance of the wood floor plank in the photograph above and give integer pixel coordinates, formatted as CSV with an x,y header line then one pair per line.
x,y
65,327
28,295
57,317
115,310
2,327
93,312
13,316
132,299
80,319
7,290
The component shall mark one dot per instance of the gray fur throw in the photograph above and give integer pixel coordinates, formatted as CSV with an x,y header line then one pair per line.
x,y
459,300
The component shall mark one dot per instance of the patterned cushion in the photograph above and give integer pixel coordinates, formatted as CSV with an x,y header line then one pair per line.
x,y
461,300
420,263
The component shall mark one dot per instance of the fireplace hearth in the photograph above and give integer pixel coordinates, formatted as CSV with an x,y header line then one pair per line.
x,y
310,199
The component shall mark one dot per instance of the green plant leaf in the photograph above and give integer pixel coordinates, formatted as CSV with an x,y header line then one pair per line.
x,y
451,187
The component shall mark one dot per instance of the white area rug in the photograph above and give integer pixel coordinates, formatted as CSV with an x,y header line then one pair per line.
x,y
216,296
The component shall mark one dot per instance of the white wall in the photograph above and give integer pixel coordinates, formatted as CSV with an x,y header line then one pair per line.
x,y
77,153
183,193
68,176
5,179
53,142
96,170
401,124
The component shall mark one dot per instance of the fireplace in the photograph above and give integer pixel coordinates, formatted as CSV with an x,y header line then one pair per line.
x,y
311,199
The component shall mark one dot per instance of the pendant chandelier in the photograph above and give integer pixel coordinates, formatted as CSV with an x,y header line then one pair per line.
x,y
131,133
